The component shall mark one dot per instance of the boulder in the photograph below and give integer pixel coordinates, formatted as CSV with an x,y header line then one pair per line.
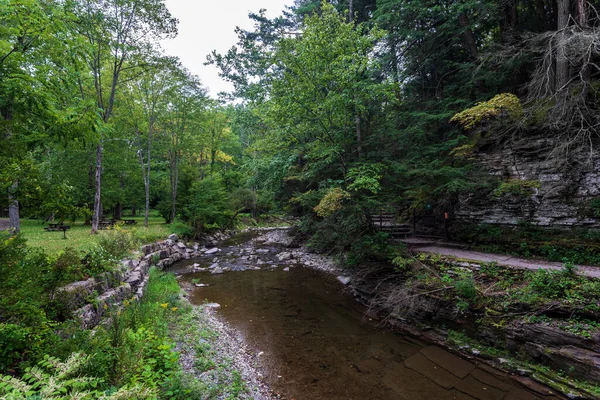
x,y
214,250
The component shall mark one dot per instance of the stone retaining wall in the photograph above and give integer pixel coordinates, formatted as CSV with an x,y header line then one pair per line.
x,y
91,299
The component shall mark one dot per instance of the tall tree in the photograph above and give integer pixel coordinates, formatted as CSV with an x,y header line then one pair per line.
x,y
183,119
121,33
35,83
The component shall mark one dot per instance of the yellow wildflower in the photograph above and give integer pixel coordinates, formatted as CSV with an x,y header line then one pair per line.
x,y
174,308
164,305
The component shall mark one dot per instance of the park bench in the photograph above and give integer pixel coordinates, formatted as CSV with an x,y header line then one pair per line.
x,y
57,228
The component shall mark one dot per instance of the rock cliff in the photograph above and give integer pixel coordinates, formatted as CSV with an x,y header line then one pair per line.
x,y
526,180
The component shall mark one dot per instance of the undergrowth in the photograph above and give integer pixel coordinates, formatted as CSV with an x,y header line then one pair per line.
x,y
527,240
132,356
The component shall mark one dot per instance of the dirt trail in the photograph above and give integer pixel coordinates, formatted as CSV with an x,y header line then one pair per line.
x,y
500,259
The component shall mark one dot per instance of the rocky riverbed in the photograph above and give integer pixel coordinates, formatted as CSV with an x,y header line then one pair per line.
x,y
298,333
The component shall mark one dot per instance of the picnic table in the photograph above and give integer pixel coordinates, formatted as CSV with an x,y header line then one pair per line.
x,y
57,227
106,223
130,221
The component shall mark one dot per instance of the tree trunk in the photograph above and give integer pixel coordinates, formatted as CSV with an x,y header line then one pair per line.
x,y
89,195
174,185
468,36
6,112
13,208
562,63
97,197
147,180
350,10
583,13
508,20
583,22
118,211
133,210
541,12
254,213
213,156
358,133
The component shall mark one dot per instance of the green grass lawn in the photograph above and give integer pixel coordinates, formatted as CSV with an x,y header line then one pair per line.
x,y
79,236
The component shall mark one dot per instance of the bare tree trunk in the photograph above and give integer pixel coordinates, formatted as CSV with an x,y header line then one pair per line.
x,y
147,180
562,63
174,185
583,21
6,114
583,13
13,208
91,190
97,197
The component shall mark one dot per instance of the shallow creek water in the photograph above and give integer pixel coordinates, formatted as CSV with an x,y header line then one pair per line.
x,y
316,343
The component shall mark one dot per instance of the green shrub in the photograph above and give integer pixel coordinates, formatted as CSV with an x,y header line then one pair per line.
x,y
551,284
14,344
118,242
181,229
569,268
465,288
97,261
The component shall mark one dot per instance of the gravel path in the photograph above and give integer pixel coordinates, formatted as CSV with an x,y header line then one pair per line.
x,y
504,260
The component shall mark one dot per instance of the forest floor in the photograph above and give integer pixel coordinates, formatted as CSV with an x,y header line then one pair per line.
x,y
500,259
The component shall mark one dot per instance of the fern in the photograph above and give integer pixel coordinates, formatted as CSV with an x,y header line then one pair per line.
x,y
64,381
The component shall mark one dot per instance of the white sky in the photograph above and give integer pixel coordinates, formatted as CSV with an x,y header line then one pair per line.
x,y
206,25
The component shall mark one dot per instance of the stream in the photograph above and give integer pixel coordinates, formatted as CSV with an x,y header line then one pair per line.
x,y
313,340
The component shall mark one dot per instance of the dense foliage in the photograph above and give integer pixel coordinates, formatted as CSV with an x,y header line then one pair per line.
x,y
388,101
341,107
